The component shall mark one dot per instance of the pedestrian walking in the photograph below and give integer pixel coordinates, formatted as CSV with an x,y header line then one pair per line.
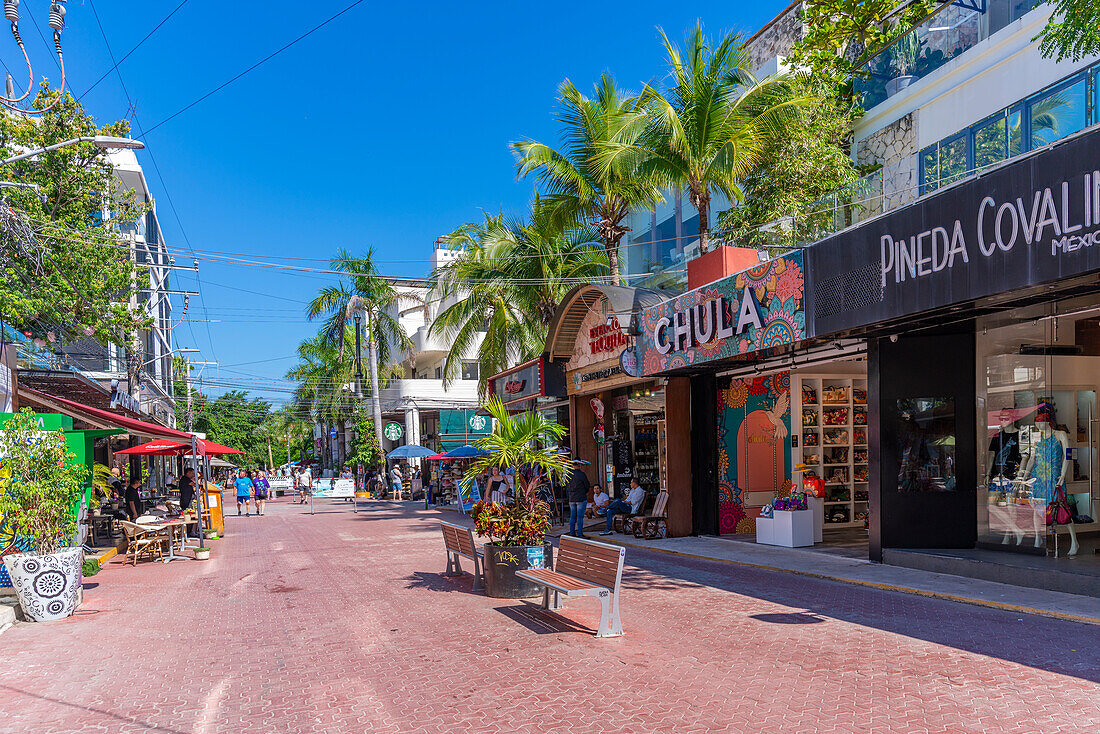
x,y
261,488
397,480
305,483
243,485
577,494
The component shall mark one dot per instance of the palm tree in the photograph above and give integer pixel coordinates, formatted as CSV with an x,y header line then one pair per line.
x,y
324,376
369,294
508,283
713,125
596,178
526,442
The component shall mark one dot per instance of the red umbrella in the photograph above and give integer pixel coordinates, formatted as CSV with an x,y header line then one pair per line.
x,y
159,447
215,449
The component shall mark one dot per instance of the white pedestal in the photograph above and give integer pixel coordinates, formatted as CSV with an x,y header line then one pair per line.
x,y
788,528
817,507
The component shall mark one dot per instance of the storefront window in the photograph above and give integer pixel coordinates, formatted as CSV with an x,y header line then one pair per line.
x,y
927,450
1038,375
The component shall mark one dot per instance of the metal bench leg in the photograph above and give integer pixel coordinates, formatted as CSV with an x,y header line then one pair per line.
x,y
478,574
546,597
610,625
454,566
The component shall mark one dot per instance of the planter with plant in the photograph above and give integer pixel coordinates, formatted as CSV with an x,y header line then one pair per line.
x,y
903,58
202,553
39,499
517,529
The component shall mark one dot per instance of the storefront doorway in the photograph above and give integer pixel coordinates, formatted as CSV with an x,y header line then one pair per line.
x,y
779,426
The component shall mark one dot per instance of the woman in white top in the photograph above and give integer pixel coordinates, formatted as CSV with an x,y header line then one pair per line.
x,y
498,487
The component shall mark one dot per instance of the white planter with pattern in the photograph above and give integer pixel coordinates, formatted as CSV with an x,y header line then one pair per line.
x,y
48,586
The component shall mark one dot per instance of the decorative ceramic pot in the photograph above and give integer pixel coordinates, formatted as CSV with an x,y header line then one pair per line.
x,y
501,563
48,586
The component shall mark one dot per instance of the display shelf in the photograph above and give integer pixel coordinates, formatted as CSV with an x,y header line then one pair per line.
x,y
833,409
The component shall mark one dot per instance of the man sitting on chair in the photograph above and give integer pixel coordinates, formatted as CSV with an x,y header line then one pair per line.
x,y
632,506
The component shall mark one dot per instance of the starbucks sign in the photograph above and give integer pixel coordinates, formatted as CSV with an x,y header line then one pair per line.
x,y
393,431
478,423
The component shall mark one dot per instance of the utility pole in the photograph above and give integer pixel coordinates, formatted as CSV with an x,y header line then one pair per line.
x,y
288,459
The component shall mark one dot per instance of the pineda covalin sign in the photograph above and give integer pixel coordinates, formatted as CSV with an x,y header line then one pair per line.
x,y
1029,222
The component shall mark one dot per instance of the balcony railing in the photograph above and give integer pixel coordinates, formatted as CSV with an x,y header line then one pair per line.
x,y
947,33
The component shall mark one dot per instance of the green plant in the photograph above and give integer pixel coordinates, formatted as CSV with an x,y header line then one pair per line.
x,y
1072,30
101,480
903,53
91,567
202,548
716,122
41,487
596,177
526,443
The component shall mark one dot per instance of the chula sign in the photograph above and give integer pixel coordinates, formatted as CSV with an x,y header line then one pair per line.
x,y
706,322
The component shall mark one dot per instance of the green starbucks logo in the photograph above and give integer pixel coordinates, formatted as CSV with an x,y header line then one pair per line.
x,y
478,423
393,431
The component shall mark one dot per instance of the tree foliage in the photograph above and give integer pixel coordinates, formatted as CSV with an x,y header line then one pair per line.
x,y
231,419
508,282
595,177
41,487
716,122
365,450
64,264
1072,31
841,34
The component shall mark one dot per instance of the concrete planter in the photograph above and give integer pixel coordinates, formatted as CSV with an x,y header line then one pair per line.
x,y
502,562
202,554
48,586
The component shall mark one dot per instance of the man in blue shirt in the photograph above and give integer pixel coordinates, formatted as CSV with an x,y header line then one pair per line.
x,y
243,486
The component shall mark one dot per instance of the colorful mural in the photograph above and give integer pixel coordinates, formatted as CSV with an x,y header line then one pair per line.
x,y
755,309
754,423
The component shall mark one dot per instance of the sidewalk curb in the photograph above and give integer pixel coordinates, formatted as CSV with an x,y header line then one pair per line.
x,y
875,585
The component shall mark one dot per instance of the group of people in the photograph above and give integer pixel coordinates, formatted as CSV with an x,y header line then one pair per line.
x,y
249,486
587,500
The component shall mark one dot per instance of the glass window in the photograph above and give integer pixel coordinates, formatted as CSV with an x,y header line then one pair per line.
x,y
929,168
927,444
439,373
990,142
1059,112
1015,131
953,162
469,370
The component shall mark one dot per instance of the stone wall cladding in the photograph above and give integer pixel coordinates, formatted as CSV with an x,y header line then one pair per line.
x,y
895,148
776,38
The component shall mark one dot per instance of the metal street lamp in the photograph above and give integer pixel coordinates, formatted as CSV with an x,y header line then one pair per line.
x,y
358,358
106,142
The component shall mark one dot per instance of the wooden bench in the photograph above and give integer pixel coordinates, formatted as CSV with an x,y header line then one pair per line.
x,y
460,544
646,525
584,568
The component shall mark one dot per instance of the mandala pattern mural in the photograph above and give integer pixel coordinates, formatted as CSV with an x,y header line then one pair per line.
x,y
754,423
778,287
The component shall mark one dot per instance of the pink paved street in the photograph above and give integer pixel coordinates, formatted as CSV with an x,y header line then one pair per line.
x,y
342,622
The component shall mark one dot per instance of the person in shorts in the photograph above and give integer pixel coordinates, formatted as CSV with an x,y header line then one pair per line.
x,y
261,488
243,487
305,482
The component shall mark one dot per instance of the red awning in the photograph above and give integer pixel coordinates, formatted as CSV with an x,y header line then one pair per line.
x,y
164,447
160,447
131,425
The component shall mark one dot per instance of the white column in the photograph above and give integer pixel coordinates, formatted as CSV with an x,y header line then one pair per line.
x,y
412,424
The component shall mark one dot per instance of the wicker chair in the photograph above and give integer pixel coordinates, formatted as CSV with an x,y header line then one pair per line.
x,y
143,541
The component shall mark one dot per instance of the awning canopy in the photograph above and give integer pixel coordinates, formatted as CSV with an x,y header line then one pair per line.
x,y
162,447
131,425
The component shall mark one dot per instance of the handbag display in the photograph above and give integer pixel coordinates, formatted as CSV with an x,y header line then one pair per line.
x,y
1059,511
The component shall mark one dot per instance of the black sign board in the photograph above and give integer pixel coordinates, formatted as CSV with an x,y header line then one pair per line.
x,y
1027,223
527,381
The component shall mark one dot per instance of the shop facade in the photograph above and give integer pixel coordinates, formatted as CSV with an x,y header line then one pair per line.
x,y
980,307
623,424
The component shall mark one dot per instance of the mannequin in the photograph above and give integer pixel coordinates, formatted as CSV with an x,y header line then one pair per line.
x,y
1004,462
1047,465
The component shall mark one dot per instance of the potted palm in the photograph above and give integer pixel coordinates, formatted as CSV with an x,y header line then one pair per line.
x,y
903,57
39,496
517,529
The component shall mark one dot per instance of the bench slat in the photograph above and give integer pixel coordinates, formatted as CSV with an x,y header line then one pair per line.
x,y
557,579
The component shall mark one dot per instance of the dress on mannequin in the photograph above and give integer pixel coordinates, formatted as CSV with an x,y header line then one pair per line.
x,y
1047,466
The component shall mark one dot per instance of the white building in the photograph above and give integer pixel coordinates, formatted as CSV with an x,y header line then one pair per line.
x,y
419,400
153,396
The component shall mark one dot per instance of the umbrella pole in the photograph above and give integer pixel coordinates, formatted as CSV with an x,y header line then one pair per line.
x,y
202,488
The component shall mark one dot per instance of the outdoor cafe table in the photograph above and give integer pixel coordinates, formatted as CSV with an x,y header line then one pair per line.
x,y
170,526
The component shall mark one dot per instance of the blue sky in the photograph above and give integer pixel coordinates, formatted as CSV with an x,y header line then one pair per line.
x,y
385,129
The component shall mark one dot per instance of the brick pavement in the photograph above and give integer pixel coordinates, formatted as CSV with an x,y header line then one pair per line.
x,y
342,623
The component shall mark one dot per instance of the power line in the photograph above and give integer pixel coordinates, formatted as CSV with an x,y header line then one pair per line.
x,y
128,53
259,63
